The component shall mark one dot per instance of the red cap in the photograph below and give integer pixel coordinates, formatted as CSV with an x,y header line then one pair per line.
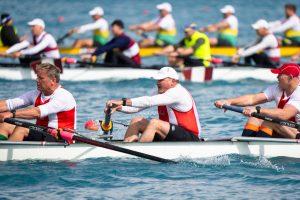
x,y
291,69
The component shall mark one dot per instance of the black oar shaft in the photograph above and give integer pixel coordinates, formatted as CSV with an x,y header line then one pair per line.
x,y
79,138
120,149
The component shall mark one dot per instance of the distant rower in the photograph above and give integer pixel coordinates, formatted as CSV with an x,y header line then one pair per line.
x,y
178,116
99,28
8,32
227,29
289,26
192,50
42,44
121,50
164,25
265,50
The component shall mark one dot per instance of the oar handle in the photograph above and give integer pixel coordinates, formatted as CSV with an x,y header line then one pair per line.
x,y
107,125
66,135
107,117
26,125
264,117
233,108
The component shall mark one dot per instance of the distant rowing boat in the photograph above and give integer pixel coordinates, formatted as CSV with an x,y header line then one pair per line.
x,y
147,52
169,150
193,74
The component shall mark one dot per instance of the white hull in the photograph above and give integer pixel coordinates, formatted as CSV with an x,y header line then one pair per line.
x,y
195,74
168,150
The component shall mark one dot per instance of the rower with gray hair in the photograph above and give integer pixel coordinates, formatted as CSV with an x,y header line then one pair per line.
x,y
52,106
178,116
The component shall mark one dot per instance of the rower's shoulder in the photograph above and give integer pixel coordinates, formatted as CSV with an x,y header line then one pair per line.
x,y
63,93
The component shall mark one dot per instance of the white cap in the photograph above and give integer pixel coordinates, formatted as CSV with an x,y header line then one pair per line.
x,y
166,72
260,24
227,9
164,6
96,11
37,22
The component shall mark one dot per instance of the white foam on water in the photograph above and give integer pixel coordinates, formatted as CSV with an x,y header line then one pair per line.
x,y
263,162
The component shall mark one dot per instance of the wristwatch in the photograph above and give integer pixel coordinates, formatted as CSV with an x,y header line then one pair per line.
x,y
13,113
124,101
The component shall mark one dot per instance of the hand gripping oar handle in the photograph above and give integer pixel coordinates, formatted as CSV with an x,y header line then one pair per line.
x,y
69,136
264,117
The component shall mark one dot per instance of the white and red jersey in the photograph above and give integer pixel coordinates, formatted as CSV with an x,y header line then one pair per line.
x,y
274,93
58,110
44,45
268,44
175,106
132,50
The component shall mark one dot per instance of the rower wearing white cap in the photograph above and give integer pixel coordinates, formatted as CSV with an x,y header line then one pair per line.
x,y
289,26
42,44
99,27
227,29
264,51
164,25
178,116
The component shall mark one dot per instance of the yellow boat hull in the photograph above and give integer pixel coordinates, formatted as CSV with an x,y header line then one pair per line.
x,y
147,52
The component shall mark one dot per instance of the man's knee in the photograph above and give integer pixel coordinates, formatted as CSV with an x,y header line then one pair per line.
x,y
21,131
137,120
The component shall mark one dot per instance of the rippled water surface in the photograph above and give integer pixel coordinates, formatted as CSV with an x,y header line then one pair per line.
x,y
226,177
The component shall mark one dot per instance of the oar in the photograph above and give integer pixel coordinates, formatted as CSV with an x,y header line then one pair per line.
x,y
264,117
61,39
109,65
107,125
69,136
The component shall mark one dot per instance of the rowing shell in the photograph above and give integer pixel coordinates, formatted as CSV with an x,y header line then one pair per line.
x,y
192,74
169,150
150,51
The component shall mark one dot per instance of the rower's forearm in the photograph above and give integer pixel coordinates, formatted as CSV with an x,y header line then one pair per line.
x,y
31,113
276,113
246,100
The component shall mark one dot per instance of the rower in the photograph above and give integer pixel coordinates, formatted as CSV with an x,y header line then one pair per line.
x,y
53,106
121,50
99,28
289,26
286,94
43,45
264,51
164,25
178,117
227,29
192,50
8,32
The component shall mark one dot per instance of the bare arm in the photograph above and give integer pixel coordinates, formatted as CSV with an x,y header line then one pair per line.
x,y
248,100
29,113
286,113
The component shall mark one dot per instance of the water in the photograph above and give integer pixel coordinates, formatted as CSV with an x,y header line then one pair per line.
x,y
225,177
